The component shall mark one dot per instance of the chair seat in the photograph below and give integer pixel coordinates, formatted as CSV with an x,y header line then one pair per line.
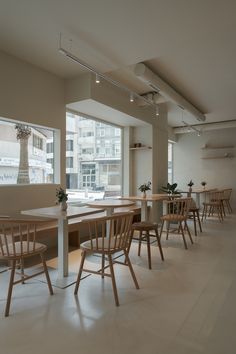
x,y
101,244
144,226
173,217
193,209
23,249
212,203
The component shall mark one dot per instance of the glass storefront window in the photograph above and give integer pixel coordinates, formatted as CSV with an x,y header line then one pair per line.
x,y
26,153
97,159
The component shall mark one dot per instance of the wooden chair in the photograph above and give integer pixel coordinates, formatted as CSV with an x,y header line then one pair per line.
x,y
194,214
213,204
226,200
18,242
146,227
177,211
117,240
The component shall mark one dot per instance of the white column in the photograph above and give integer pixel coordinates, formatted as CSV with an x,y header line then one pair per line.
x,y
159,157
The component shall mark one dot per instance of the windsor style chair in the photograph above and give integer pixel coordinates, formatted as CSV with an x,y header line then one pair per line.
x,y
18,242
107,244
177,211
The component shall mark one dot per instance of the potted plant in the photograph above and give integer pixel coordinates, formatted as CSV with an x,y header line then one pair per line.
x,y
62,198
203,183
145,187
190,184
170,189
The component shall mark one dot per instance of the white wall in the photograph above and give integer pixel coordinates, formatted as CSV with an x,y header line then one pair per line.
x,y
141,159
188,162
31,95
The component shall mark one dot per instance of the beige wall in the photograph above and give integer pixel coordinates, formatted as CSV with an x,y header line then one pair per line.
x,y
188,162
31,95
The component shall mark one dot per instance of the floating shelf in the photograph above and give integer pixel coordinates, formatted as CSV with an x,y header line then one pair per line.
x,y
218,157
141,148
217,147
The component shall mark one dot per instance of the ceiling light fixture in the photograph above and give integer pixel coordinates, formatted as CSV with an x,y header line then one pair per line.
x,y
101,75
97,79
157,110
131,97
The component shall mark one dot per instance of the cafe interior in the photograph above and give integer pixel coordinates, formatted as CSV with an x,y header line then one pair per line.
x,y
117,170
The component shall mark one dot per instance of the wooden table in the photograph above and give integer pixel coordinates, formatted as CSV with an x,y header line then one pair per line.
x,y
109,205
198,192
62,218
144,201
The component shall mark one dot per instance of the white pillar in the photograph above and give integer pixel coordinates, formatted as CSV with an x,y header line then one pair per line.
x,y
159,157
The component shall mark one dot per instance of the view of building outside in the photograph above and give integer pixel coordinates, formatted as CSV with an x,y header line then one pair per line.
x,y
23,156
170,163
93,158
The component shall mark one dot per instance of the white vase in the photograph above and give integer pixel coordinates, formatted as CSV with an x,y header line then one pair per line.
x,y
63,205
144,194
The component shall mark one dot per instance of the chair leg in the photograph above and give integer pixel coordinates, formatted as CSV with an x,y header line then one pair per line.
x,y
229,206
162,225
130,241
219,213
189,233
159,244
199,221
222,207
113,279
149,250
182,231
10,288
131,270
194,222
22,270
46,273
103,265
167,230
140,242
80,272
203,212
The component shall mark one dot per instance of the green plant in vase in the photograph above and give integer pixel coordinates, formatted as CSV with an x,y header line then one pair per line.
x,y
190,184
170,189
203,183
145,187
62,198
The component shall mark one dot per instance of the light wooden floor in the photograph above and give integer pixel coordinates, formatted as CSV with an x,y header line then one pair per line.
x,y
186,305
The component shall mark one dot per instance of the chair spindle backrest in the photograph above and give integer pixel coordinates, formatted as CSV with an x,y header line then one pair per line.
x,y
227,193
214,196
179,206
111,232
17,238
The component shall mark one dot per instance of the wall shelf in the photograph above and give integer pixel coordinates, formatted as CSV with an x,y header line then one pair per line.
x,y
217,147
223,152
218,157
141,148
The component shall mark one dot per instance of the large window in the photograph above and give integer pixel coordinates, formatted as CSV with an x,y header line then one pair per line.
x,y
97,159
25,156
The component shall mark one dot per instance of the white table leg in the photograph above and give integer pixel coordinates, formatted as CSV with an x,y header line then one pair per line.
x,y
144,211
63,248
109,212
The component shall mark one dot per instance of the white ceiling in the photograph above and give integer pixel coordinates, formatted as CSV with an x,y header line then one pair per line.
x,y
191,44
